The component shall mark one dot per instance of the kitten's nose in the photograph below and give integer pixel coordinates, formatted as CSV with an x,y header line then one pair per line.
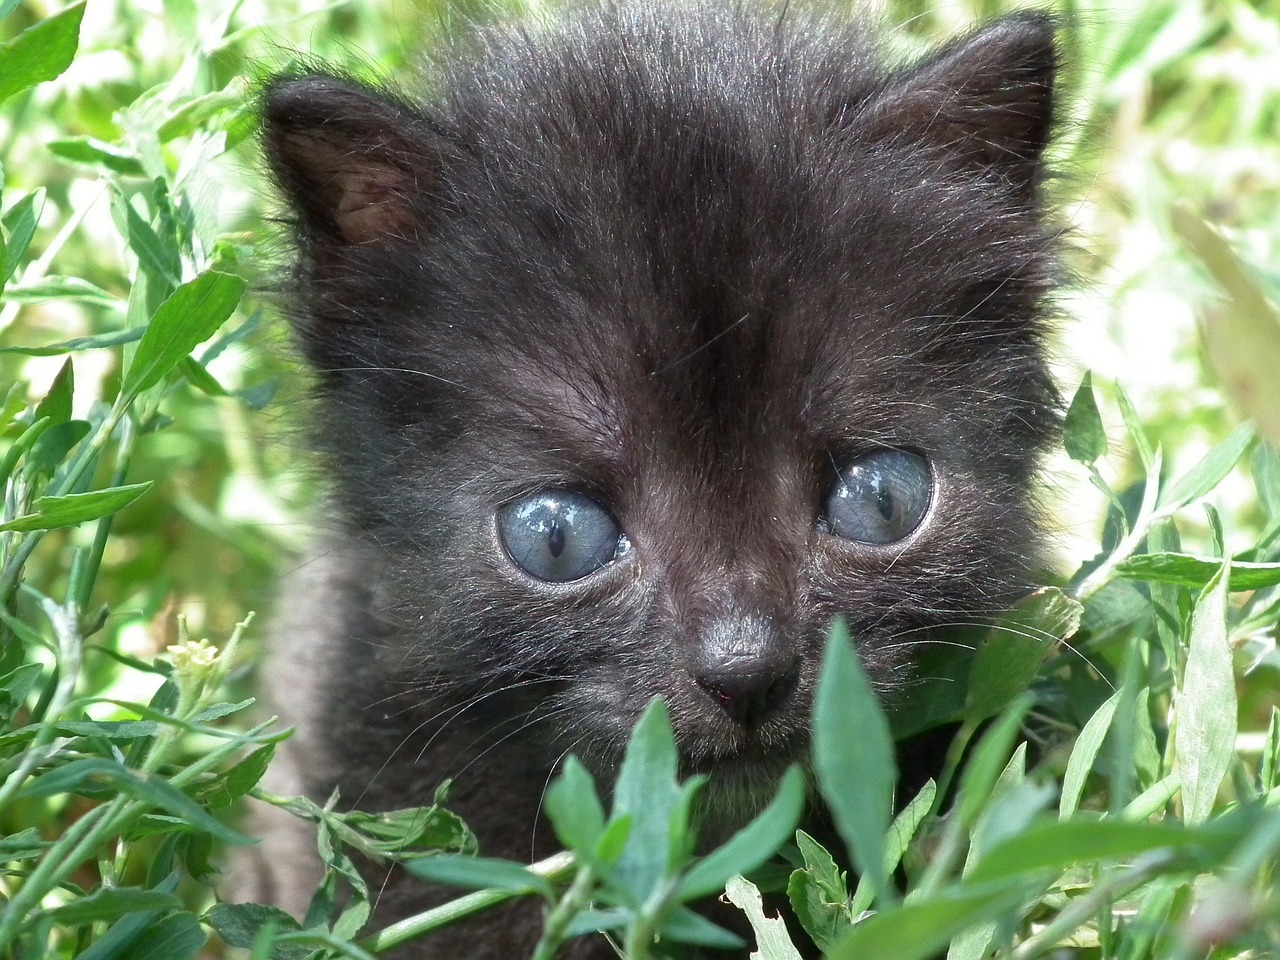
x,y
749,672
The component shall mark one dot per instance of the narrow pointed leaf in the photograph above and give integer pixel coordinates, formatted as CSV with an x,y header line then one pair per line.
x,y
1204,739
1083,435
52,512
853,757
1208,472
647,793
191,315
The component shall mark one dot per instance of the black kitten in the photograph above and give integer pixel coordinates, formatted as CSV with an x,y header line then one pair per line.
x,y
647,344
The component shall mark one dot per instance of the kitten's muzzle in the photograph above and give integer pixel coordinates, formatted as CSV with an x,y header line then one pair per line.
x,y
747,667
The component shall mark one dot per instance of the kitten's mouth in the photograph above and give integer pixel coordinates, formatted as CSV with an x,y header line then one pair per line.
x,y
739,785
748,768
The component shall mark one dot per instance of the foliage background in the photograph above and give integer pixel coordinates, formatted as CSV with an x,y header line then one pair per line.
x,y
1172,114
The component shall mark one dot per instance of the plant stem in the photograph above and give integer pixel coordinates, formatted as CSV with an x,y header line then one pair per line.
x,y
66,625
575,900
1132,540
87,456
554,868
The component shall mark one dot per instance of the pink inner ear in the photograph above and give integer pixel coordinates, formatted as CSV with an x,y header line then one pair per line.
x,y
367,199
372,203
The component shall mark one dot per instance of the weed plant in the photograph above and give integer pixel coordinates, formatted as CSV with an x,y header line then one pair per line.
x,y
1113,790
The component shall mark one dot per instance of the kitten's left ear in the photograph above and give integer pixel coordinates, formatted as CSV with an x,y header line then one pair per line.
x,y
987,99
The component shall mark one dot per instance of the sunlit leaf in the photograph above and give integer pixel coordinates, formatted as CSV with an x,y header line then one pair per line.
x,y
41,52
1083,435
186,319
49,513
773,942
1205,732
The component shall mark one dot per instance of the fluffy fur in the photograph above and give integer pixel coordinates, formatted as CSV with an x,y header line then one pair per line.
x,y
683,258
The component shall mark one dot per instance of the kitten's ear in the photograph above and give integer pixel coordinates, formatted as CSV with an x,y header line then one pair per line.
x,y
987,99
360,168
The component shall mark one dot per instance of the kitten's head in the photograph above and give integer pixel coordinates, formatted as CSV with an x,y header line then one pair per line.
x,y
654,341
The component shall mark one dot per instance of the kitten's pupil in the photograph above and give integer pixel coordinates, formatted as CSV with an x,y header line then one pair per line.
x,y
884,500
555,539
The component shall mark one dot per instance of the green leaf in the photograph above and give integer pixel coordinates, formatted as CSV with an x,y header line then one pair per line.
x,y
682,925
1137,432
66,511
1265,467
819,894
117,943
919,930
1010,656
646,792
772,940
51,289
92,774
191,315
40,52
109,903
178,936
1054,846
56,404
1083,435
90,152
479,873
198,376
1189,570
906,823
101,341
1205,733
202,111
238,924
20,220
988,762
1209,472
242,777
53,446
853,757
574,808
1084,753
25,845
750,846
108,729
158,255
413,829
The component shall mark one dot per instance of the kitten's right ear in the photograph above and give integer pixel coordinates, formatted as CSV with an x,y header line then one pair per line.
x,y
359,167
986,99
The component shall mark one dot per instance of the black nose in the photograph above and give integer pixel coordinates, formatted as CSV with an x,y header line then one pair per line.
x,y
749,689
747,665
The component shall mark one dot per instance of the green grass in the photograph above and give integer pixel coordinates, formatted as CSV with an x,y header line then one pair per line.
x,y
150,473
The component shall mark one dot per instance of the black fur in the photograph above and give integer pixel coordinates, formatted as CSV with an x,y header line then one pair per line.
x,y
683,257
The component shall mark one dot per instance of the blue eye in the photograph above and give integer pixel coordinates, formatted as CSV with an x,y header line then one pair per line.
x,y
560,535
879,497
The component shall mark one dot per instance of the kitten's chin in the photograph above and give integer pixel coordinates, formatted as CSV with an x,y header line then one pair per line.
x,y
742,782
737,789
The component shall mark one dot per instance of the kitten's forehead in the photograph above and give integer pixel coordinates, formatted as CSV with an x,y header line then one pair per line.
x,y
808,322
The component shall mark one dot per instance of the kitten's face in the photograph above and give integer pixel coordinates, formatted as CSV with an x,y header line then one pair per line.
x,y
642,372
